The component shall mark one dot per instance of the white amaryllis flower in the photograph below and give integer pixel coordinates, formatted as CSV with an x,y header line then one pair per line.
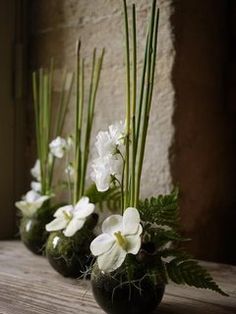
x,y
121,236
71,218
36,186
58,147
35,171
31,202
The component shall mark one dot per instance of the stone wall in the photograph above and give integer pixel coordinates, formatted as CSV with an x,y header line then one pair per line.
x,y
191,133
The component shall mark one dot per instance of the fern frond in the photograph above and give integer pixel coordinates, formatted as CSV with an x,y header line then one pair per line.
x,y
189,272
162,210
162,236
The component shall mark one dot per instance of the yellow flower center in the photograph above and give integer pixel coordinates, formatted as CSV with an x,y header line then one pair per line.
x,y
68,216
121,240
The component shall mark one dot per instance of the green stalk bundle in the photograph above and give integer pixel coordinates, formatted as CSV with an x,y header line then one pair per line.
x,y
83,126
44,123
138,112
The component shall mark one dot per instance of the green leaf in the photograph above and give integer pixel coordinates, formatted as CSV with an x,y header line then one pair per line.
x,y
189,272
162,210
108,200
162,236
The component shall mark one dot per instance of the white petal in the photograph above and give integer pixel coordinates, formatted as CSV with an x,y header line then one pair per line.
x,y
131,221
104,144
25,208
35,171
83,208
73,226
83,202
58,147
21,205
31,196
60,211
112,259
117,132
56,224
36,186
134,243
101,244
101,173
112,224
37,204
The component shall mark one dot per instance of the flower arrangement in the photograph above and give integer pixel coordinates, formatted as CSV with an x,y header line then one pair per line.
x,y
71,230
136,253
35,206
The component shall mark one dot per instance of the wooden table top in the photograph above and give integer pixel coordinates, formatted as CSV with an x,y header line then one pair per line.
x,y
29,285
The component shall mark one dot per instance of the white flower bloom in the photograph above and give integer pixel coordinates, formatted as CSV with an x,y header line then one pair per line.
x,y
35,171
121,236
31,202
104,144
70,170
117,132
108,142
58,147
103,168
110,146
71,218
36,186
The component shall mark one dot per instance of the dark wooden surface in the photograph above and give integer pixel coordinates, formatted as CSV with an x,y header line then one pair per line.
x,y
28,285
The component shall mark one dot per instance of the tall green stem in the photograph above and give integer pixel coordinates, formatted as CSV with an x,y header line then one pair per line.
x,y
133,109
151,53
83,131
42,81
137,117
77,135
127,143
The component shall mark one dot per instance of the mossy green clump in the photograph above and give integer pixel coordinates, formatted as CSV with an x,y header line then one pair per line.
x,y
116,293
32,229
70,256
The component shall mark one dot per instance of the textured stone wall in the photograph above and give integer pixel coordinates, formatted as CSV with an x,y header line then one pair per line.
x,y
56,26
191,135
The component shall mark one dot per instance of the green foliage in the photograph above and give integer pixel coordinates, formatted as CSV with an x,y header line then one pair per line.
x,y
162,210
106,200
188,271
160,219
179,267
162,236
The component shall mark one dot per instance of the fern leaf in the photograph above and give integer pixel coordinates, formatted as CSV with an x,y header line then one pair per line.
x,y
189,272
162,210
162,236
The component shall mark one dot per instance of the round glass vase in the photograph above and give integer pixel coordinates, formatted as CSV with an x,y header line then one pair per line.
x,y
116,294
32,229
70,256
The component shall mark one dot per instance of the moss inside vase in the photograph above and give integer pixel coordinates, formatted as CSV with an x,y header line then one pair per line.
x,y
32,229
116,294
70,256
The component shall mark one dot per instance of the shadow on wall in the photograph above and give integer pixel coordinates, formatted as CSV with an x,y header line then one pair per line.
x,y
204,148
